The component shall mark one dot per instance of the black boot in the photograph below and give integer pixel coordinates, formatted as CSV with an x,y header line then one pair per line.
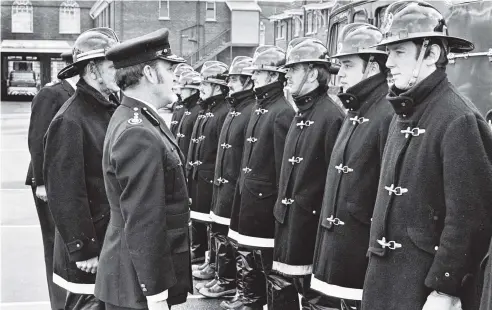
x,y
236,302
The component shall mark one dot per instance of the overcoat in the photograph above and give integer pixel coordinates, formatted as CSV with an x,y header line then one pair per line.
x,y
75,184
252,223
229,154
146,250
350,191
308,147
185,126
202,154
431,222
178,113
44,107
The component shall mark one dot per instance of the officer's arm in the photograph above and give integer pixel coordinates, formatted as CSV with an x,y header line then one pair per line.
x,y
138,159
466,150
42,112
280,129
67,194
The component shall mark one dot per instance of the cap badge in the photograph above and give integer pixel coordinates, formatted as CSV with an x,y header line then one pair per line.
x,y
135,120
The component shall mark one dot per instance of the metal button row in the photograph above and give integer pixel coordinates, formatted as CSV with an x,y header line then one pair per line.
x,y
398,191
295,160
344,169
358,120
303,124
412,132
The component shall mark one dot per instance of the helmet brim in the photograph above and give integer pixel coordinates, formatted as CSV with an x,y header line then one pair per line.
x,y
73,69
360,53
331,67
456,45
266,68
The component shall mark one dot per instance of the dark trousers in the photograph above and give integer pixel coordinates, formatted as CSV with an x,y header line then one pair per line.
x,y
281,293
256,265
56,293
199,238
83,302
225,261
314,300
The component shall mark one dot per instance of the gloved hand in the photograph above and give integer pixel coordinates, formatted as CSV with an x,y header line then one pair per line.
x,y
440,301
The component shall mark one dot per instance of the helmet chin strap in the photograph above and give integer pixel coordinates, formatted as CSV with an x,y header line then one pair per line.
x,y
418,65
246,83
367,69
301,85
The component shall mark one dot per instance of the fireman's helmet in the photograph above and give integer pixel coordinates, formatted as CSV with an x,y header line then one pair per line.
x,y
180,69
214,72
306,50
241,65
190,79
91,44
268,58
409,19
359,38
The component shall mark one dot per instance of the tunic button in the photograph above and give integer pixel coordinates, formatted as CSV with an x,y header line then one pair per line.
x,y
403,104
260,194
436,218
78,245
144,289
93,240
314,212
446,274
436,248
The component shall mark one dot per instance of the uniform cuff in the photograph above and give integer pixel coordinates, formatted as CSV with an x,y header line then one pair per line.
x,y
158,297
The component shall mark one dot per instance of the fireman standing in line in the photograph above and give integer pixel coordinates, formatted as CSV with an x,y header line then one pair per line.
x,y
227,166
353,174
252,222
431,222
307,152
178,110
202,153
190,95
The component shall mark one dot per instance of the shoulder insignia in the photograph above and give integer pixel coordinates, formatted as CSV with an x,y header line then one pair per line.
x,y
135,120
150,117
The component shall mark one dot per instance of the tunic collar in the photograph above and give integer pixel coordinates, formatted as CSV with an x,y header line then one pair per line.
x,y
404,103
148,105
191,100
238,98
86,89
354,97
269,92
307,101
211,102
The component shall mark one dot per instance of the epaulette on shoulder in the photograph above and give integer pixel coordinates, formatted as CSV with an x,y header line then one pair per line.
x,y
52,83
152,119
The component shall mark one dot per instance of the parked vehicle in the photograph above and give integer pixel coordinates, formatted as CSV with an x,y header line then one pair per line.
x,y
22,83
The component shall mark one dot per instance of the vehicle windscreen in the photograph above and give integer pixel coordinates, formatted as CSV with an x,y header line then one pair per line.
x,y
472,75
22,76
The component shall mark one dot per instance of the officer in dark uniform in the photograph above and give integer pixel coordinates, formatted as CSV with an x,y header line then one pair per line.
x,y
178,109
353,173
73,172
145,259
43,108
227,166
252,222
202,154
190,95
307,152
431,222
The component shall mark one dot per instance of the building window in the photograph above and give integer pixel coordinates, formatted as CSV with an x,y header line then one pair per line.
x,y
211,11
262,34
297,26
309,23
69,17
164,9
281,30
22,16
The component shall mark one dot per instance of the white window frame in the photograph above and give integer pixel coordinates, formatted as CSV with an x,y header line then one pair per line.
x,y
298,26
22,7
209,19
280,33
69,24
161,17
262,36
309,22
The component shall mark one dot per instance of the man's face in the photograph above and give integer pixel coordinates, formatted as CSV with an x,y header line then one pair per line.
x,y
295,76
351,71
261,78
402,60
164,84
234,84
206,90
176,88
107,74
187,92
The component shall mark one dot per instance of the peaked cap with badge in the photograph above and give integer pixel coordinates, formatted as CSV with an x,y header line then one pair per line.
x,y
407,20
91,44
145,255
